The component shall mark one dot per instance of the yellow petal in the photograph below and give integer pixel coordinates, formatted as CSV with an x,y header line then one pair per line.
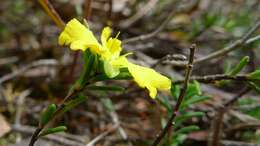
x,y
106,32
149,78
120,62
78,37
114,46
152,91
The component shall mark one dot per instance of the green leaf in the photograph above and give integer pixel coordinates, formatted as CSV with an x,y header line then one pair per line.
x,y
243,62
53,130
255,112
254,75
106,88
74,102
186,129
88,68
175,91
255,86
47,114
164,101
178,140
185,116
246,101
194,99
210,19
108,104
193,89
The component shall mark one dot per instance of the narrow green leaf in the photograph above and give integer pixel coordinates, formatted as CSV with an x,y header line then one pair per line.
x,y
254,75
53,130
186,129
175,91
108,104
188,115
193,89
106,88
243,62
164,101
88,67
255,86
74,102
194,99
210,19
185,116
197,87
47,114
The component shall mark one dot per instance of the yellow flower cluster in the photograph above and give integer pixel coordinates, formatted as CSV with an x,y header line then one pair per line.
x,y
79,37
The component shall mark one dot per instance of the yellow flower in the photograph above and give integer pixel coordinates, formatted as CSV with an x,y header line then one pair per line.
x,y
149,78
79,37
111,56
145,77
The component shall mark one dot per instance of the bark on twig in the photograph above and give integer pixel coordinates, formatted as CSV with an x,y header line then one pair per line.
x,y
214,139
180,99
42,62
163,24
216,77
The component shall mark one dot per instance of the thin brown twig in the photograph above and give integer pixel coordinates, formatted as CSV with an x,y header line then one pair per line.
x,y
41,62
54,137
133,19
243,41
56,115
121,131
88,10
8,60
231,47
243,126
49,9
102,135
163,24
218,122
236,143
216,77
20,104
180,99
110,9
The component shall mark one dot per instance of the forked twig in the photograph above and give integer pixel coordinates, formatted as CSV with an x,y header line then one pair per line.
x,y
180,99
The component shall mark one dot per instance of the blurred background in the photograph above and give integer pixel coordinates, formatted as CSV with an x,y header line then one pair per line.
x,y
36,71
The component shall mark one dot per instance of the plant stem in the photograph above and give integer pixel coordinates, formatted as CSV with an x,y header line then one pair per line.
x,y
88,11
35,136
217,122
180,99
110,10
57,114
217,77
49,9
